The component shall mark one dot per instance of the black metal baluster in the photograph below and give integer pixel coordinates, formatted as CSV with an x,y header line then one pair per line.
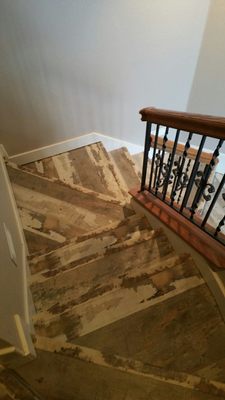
x,y
175,172
157,164
170,165
184,180
219,226
165,139
193,174
204,180
180,168
146,151
153,157
220,187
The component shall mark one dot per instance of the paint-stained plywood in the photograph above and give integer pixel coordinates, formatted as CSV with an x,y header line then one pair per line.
x,y
112,270
58,212
62,377
88,166
89,298
88,247
185,333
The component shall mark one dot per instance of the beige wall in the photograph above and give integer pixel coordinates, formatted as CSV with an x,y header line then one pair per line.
x,y
69,67
208,89
207,94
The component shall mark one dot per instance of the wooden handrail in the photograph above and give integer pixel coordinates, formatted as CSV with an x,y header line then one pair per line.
x,y
206,125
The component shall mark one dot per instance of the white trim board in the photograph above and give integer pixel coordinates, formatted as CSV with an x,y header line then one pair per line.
x,y
53,149
109,142
16,322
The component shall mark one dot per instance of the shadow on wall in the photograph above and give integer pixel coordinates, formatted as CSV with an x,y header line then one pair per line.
x,y
208,87
72,67
49,92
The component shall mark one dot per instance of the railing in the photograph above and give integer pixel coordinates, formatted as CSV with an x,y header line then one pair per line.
x,y
182,176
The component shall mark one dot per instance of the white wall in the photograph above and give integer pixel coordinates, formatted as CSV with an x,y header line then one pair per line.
x,y
207,95
73,66
208,90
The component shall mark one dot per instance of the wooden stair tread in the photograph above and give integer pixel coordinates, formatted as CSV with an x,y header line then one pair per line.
x,y
87,278
90,376
59,212
87,247
88,166
184,333
101,368
115,295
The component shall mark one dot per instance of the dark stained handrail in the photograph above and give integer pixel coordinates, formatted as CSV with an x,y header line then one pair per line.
x,y
206,125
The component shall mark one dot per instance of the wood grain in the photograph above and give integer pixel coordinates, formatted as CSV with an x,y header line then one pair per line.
x,y
201,241
207,125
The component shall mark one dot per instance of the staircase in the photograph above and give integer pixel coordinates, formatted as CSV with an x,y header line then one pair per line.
x,y
119,314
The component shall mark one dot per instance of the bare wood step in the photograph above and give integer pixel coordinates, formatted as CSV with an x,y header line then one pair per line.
x,y
90,279
69,375
87,248
126,167
57,212
88,166
130,366
114,297
185,333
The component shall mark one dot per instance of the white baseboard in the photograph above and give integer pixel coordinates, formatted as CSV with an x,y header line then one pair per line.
x,y
53,149
110,143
